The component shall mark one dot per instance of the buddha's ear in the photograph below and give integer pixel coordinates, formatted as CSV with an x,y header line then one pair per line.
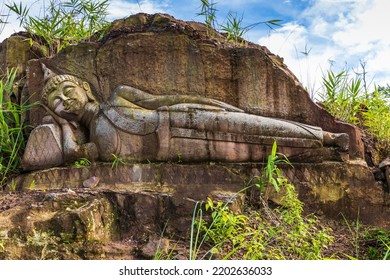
x,y
87,88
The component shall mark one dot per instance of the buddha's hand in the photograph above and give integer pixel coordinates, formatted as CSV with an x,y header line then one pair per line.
x,y
60,121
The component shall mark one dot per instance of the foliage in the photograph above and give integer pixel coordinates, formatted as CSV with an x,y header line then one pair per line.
x,y
12,125
379,248
342,96
280,233
252,236
223,226
64,23
367,242
345,97
376,115
385,90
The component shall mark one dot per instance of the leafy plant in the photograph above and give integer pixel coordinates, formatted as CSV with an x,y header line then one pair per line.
x,y
376,115
12,125
202,231
271,177
81,162
64,23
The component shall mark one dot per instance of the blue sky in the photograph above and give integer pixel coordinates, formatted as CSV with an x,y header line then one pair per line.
x,y
330,32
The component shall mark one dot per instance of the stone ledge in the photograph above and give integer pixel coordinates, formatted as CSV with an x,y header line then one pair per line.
x,y
330,188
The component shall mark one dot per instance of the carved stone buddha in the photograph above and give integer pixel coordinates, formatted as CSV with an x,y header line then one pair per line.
x,y
138,126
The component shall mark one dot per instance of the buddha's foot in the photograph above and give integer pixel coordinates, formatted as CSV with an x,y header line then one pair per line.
x,y
340,140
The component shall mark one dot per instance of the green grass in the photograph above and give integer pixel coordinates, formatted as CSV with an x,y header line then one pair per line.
x,y
208,11
235,29
117,161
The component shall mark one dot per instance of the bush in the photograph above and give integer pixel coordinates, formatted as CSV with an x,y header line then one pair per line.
x,y
345,98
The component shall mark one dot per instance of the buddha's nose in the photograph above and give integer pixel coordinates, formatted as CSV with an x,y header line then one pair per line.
x,y
63,96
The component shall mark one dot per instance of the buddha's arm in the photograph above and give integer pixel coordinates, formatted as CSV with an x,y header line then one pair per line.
x,y
71,149
74,151
124,95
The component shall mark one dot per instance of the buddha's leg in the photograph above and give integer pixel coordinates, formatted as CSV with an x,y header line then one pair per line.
x,y
245,124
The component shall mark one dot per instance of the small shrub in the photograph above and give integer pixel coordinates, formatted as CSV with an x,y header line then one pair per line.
x,y
253,236
271,177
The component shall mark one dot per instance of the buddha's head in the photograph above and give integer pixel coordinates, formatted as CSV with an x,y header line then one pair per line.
x,y
67,96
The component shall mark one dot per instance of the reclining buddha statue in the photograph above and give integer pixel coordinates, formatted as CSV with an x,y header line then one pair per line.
x,y
137,126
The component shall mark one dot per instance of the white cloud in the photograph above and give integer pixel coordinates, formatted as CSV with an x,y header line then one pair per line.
x,y
343,31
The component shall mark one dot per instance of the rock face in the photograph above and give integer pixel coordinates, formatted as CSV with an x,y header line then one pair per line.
x,y
16,51
162,55
331,188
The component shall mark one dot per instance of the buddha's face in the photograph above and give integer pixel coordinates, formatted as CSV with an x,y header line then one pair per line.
x,y
68,100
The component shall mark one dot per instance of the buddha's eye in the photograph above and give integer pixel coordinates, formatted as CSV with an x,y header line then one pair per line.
x,y
69,91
